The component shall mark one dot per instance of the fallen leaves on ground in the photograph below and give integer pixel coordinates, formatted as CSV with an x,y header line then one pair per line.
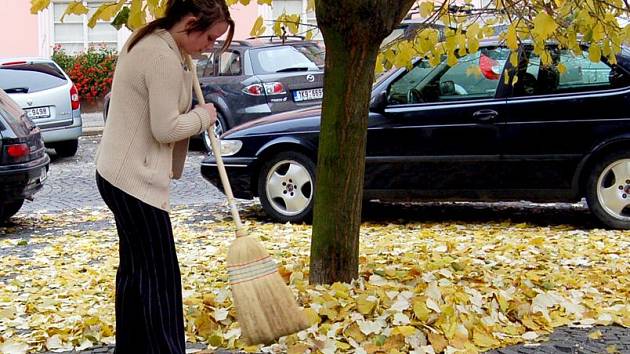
x,y
423,287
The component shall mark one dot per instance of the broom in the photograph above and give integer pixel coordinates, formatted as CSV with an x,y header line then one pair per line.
x,y
265,306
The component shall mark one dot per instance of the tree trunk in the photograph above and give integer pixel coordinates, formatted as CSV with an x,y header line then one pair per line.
x,y
353,31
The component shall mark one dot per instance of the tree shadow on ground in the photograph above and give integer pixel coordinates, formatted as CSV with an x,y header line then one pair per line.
x,y
574,215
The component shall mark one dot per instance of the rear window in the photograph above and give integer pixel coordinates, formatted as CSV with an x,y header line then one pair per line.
x,y
30,77
280,59
11,112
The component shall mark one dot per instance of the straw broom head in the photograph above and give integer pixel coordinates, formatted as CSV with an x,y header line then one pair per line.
x,y
266,307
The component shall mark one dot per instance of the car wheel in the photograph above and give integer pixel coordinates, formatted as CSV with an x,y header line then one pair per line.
x,y
608,190
286,186
219,128
9,209
67,148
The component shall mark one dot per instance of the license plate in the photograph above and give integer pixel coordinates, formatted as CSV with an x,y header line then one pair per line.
x,y
37,112
41,177
307,95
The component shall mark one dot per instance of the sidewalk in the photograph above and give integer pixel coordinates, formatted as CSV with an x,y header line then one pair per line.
x,y
92,123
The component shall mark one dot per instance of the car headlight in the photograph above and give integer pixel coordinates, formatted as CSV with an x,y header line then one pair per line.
x,y
230,147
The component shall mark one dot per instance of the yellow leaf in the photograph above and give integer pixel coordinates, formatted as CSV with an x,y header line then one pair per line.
x,y
244,2
406,331
311,5
75,8
544,25
470,71
420,309
483,339
298,348
595,335
39,5
562,68
105,12
364,305
258,28
312,316
514,59
451,59
594,53
511,38
264,2
438,342
137,17
309,35
506,77
612,349
426,9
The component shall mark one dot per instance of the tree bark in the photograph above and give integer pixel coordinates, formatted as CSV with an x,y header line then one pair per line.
x,y
353,31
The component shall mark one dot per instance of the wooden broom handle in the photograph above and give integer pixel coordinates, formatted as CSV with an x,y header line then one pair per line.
x,y
240,231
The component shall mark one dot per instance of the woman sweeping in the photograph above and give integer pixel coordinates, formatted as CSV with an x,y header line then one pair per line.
x,y
144,146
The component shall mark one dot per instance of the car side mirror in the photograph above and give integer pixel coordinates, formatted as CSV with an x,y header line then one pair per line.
x,y
447,88
379,102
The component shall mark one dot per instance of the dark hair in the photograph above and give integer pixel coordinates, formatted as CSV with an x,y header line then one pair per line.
x,y
208,12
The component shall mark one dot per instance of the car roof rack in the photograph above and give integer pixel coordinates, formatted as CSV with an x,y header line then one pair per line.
x,y
283,38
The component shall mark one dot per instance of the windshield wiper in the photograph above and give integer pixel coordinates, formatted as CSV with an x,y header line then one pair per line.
x,y
296,68
16,90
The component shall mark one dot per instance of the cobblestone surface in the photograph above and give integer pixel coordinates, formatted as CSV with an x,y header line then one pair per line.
x,y
71,183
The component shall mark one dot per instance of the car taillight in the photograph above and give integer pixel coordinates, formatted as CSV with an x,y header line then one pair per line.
x,y
269,88
489,67
14,63
74,98
17,151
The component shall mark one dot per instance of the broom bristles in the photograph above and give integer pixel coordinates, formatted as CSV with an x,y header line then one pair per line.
x,y
265,306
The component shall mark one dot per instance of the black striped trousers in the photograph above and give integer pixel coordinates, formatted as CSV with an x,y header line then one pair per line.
x,y
149,312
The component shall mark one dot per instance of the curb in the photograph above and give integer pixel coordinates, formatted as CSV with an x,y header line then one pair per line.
x,y
92,131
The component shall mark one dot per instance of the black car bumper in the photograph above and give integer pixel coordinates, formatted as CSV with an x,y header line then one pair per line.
x,y
23,180
239,172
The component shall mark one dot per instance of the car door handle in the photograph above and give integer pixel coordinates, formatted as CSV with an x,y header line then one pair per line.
x,y
485,115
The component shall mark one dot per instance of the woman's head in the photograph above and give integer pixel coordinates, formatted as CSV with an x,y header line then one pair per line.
x,y
195,24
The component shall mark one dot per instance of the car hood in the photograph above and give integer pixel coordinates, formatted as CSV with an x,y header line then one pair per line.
x,y
306,119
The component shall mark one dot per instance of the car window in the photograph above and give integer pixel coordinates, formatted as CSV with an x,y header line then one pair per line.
x,y
230,64
205,65
475,76
314,53
12,113
280,59
568,72
30,77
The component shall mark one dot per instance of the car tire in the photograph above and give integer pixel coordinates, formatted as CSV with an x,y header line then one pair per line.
x,y
608,190
67,148
286,186
8,209
219,128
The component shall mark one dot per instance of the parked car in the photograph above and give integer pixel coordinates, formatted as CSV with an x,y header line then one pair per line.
x,y
23,159
257,77
461,133
48,97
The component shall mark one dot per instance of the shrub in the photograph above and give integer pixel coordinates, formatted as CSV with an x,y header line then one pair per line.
x,y
92,71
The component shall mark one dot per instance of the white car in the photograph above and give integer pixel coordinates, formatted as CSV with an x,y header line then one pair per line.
x,y
48,97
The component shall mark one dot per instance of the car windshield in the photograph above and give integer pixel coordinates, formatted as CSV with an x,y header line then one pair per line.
x,y
280,59
30,77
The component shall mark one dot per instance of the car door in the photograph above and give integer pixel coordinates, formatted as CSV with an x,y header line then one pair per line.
x,y
439,134
557,114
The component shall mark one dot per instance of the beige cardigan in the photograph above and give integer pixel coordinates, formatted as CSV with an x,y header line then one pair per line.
x,y
145,140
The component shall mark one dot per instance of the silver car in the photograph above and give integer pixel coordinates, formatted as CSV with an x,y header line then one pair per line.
x,y
48,97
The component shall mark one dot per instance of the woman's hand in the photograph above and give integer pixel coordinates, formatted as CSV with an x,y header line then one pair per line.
x,y
211,110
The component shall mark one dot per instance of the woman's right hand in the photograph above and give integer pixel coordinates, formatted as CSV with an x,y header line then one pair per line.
x,y
211,110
